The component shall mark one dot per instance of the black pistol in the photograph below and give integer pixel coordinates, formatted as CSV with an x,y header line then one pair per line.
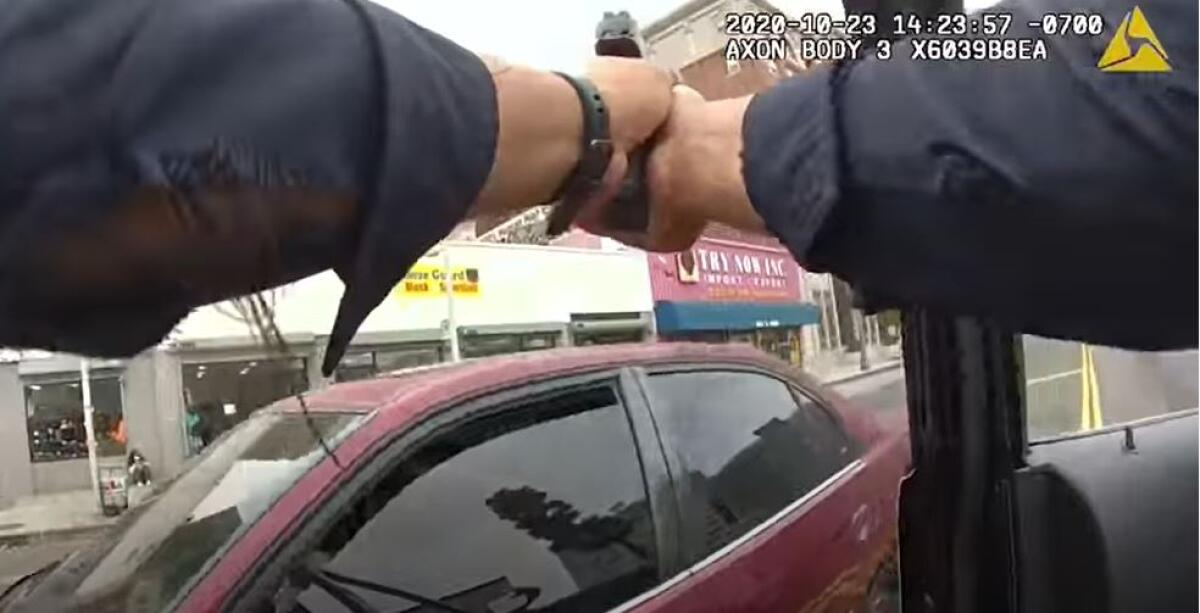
x,y
617,35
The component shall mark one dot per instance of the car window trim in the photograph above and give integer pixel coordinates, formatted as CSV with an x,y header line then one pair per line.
x,y
389,452
792,383
664,504
856,446
796,507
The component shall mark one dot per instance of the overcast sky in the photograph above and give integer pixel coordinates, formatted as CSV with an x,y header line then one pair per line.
x,y
553,34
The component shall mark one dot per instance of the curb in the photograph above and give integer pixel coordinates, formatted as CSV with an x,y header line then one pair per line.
x,y
874,370
32,538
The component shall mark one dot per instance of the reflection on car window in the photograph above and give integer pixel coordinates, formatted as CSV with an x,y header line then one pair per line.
x,y
230,487
1073,387
543,507
743,448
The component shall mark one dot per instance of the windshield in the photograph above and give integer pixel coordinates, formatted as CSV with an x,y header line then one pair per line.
x,y
149,561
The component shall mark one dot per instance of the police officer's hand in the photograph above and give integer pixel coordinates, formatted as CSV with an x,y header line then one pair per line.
x,y
694,176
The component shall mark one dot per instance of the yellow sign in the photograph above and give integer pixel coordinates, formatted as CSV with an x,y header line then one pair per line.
x,y
424,281
1119,56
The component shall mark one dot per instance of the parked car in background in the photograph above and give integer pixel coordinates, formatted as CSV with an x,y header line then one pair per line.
x,y
657,477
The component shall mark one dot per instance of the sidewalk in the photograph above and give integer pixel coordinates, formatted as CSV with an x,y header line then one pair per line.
x,y
38,517
839,367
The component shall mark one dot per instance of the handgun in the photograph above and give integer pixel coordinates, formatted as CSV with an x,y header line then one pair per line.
x,y
617,35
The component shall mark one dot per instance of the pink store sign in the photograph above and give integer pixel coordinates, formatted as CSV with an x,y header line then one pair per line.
x,y
726,272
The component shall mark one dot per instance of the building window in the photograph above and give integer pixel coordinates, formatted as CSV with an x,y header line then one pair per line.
x,y
54,415
483,345
365,364
732,66
220,395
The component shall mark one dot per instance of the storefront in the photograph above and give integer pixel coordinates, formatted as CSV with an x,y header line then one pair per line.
x,y
728,291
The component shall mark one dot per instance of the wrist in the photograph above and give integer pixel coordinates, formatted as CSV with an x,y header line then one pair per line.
x,y
727,201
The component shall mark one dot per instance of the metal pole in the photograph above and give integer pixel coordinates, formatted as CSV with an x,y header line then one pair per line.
x,y
864,361
837,321
85,385
448,287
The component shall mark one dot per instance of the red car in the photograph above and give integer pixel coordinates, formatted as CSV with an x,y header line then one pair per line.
x,y
668,477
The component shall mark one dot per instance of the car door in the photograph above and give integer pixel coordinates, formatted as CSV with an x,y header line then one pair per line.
x,y
772,514
533,500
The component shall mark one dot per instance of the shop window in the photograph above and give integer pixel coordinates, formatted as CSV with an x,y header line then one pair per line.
x,y
365,364
388,360
355,366
219,395
54,411
483,345
583,339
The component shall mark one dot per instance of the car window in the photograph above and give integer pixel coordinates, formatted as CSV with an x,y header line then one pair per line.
x,y
1073,387
543,508
161,548
742,448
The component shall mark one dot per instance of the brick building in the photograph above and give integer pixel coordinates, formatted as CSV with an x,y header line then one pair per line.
x,y
691,42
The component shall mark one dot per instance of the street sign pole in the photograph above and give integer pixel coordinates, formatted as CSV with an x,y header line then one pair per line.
x,y
448,287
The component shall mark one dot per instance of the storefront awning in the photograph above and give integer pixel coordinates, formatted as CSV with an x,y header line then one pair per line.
x,y
684,316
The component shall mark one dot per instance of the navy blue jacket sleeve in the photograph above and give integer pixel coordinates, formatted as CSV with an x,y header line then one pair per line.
x,y
156,155
1049,196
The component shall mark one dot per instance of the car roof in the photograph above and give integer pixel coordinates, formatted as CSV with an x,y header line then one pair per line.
x,y
412,389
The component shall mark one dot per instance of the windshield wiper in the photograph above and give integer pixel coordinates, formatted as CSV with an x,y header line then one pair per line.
x,y
28,576
333,583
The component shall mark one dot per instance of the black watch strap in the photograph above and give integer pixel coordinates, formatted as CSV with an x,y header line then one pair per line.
x,y
594,157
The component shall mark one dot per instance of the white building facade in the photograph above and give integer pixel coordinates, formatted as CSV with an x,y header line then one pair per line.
x,y
171,401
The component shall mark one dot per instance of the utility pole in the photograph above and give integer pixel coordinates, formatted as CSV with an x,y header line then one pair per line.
x,y
448,287
89,425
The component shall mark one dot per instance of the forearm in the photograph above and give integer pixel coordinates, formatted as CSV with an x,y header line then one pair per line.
x,y
1018,191
535,152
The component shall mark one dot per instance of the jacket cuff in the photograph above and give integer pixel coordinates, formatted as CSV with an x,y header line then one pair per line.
x,y
436,127
790,158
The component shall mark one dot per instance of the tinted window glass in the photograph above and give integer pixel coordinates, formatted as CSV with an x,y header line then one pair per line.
x,y
544,505
743,449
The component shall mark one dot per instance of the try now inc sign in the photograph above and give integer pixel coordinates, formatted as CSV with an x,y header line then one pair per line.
x,y
715,270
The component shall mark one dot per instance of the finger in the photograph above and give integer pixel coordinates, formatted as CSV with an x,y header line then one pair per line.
x,y
683,92
592,211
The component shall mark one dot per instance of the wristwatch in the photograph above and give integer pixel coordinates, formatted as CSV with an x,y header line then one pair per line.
x,y
594,157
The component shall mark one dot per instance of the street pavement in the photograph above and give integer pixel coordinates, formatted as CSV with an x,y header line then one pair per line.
x,y
880,392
